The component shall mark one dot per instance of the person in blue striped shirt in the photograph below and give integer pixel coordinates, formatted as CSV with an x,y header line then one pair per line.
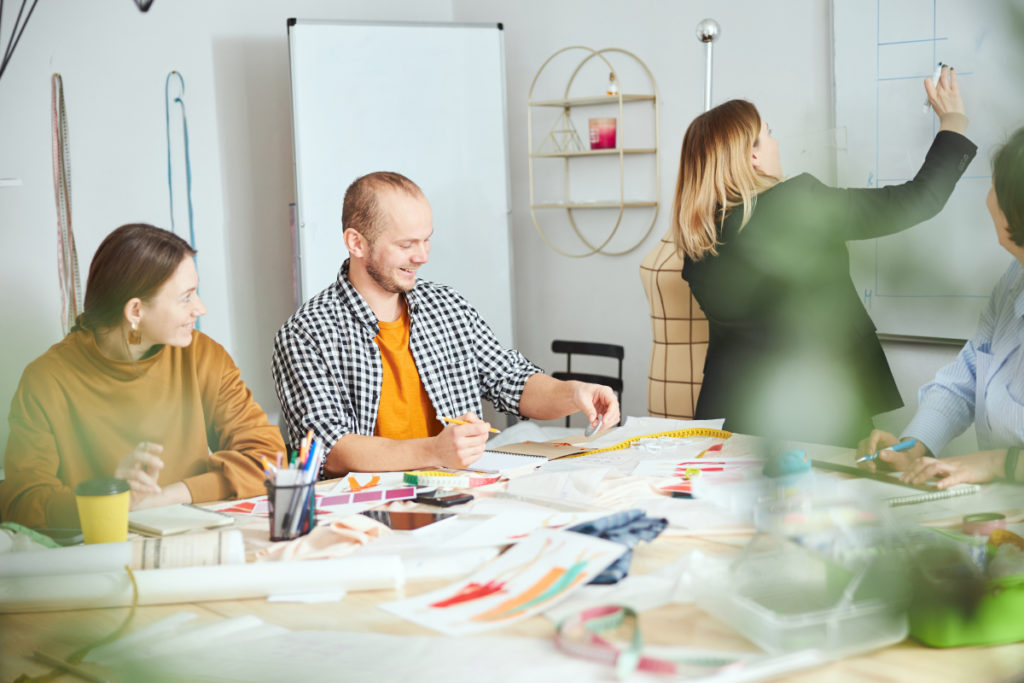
x,y
985,384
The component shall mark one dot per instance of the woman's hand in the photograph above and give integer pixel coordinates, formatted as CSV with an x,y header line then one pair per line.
x,y
945,99
170,495
897,460
141,469
973,468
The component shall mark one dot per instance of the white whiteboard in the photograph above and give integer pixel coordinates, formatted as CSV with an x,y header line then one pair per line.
x,y
427,101
933,279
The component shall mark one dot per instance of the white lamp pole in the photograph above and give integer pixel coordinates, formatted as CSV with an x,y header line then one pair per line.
x,y
707,33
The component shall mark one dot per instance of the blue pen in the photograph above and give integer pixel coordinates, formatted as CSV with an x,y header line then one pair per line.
x,y
901,446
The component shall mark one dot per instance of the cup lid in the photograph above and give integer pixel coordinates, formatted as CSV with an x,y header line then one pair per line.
x,y
101,486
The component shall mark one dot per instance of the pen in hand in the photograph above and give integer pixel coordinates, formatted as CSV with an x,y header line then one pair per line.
x,y
452,420
904,445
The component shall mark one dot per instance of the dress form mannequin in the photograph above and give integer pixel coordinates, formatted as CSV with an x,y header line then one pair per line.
x,y
680,333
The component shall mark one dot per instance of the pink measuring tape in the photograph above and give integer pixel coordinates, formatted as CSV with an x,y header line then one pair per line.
x,y
580,635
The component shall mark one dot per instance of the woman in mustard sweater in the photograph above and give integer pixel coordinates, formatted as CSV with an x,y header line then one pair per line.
x,y
133,391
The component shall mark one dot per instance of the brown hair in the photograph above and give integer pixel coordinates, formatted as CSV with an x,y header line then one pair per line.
x,y
132,261
1008,182
716,174
361,208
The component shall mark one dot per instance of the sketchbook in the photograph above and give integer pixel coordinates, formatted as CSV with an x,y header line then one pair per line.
x,y
548,450
501,461
175,519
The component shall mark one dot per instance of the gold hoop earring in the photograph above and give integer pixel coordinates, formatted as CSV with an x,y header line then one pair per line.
x,y
135,337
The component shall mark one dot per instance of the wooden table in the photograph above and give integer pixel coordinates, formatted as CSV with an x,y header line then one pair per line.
x,y
60,633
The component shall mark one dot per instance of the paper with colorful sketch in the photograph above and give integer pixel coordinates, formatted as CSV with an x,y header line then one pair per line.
x,y
528,578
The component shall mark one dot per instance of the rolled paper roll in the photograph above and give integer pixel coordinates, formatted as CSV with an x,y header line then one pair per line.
x,y
209,548
197,584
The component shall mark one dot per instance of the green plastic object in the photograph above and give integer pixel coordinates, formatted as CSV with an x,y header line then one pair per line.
x,y
995,618
39,538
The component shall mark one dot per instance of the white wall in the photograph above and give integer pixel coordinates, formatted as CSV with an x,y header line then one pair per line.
x,y
114,59
233,55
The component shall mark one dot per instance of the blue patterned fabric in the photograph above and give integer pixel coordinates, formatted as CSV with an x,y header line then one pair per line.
x,y
627,527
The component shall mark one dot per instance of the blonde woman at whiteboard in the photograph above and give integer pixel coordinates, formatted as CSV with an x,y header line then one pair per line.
x,y
134,392
985,384
792,352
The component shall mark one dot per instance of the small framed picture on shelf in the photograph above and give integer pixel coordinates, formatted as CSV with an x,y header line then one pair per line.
x,y
602,133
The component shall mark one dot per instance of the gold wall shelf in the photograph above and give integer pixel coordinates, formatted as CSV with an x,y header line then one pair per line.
x,y
594,205
563,142
596,152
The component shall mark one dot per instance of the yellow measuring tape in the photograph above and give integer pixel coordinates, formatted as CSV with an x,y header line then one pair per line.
x,y
677,434
447,479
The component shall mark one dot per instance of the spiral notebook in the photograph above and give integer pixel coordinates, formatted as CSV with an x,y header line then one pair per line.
x,y
951,492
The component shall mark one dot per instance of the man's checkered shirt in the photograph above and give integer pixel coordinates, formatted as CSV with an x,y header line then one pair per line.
x,y
328,371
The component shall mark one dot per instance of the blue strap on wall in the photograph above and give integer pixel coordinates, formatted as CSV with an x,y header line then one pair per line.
x,y
178,99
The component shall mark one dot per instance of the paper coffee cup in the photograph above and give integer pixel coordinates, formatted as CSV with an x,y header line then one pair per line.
x,y
103,509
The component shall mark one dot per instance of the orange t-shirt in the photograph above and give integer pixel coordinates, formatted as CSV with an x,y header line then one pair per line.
x,y
405,410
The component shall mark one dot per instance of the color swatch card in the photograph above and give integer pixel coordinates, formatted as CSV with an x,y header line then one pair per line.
x,y
325,503
528,578
375,495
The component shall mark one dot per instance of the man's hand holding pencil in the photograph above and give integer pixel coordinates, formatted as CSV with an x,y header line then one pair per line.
x,y
462,441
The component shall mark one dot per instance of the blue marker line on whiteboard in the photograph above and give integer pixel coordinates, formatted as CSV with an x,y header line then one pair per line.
x,y
935,81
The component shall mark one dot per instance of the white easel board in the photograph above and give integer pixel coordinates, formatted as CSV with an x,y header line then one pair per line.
x,y
427,101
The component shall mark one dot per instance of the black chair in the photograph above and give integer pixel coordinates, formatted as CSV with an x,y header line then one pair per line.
x,y
579,348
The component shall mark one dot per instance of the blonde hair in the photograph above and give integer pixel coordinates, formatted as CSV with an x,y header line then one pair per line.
x,y
716,174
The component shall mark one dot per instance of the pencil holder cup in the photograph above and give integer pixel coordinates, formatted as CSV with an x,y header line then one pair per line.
x,y
292,510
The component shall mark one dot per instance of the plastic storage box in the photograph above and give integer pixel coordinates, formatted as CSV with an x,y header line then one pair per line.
x,y
792,599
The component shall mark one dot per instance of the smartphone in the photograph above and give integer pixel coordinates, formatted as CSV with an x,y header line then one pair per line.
x,y
444,500
407,520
